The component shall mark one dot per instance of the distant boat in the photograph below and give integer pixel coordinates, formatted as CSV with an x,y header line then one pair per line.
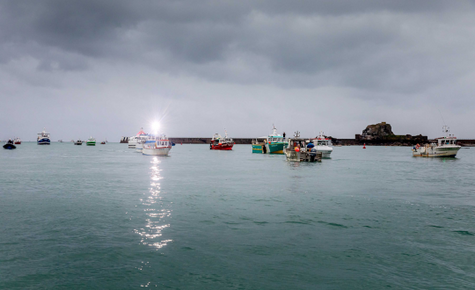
x,y
323,144
60,141
17,141
272,144
43,138
445,147
78,142
220,143
298,150
104,142
9,145
135,139
158,147
91,142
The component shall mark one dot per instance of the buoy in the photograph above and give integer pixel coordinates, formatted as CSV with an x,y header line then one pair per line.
x,y
364,145
297,149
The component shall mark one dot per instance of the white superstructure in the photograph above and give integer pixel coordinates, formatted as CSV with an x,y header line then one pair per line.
x,y
133,141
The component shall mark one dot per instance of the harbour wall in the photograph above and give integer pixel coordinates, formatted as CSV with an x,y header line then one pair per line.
x,y
335,141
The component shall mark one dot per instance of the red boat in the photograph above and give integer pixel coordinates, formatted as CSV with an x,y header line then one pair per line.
x,y
17,141
220,143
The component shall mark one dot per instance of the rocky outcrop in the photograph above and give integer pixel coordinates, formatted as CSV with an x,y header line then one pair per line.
x,y
377,131
382,134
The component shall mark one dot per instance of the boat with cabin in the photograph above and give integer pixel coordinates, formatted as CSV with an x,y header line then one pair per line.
x,y
323,145
220,143
301,150
17,141
78,142
91,142
43,138
443,147
159,146
271,144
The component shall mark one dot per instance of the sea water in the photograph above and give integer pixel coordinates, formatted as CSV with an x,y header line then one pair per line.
x,y
106,217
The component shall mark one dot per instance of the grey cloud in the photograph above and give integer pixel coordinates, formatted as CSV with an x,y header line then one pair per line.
x,y
395,53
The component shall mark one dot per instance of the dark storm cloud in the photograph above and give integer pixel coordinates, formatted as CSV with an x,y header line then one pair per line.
x,y
390,54
350,43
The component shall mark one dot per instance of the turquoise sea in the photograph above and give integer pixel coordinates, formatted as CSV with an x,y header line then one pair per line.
x,y
105,217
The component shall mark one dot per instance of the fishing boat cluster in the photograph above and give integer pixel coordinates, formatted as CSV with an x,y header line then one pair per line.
x,y
294,148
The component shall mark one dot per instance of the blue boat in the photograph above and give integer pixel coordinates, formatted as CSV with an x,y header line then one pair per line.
x,y
43,138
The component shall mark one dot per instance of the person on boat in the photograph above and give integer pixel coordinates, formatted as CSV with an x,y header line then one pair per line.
x,y
283,135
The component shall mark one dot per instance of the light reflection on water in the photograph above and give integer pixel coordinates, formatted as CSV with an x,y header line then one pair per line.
x,y
155,211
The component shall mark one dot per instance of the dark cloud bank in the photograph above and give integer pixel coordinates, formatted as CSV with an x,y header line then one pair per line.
x,y
105,68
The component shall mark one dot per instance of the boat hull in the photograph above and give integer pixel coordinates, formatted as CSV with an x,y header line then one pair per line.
x,y
9,146
325,150
156,151
77,143
258,148
132,143
276,148
225,146
44,141
436,151
299,156
91,143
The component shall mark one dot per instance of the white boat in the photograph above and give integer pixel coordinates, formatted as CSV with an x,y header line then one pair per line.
x,y
323,144
160,146
445,147
43,138
135,139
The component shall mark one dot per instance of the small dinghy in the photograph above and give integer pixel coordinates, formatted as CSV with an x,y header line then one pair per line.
x,y
9,145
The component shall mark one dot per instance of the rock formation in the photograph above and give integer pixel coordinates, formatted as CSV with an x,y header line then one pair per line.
x,y
377,131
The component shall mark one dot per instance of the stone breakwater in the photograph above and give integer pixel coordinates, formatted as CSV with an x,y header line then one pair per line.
x,y
402,141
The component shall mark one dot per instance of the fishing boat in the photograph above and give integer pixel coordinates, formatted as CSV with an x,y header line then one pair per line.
x,y
443,147
323,145
220,143
78,142
104,142
301,150
91,142
17,141
43,138
271,144
159,146
9,145
132,143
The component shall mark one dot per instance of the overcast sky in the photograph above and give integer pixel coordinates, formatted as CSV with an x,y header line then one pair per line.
x,y
107,68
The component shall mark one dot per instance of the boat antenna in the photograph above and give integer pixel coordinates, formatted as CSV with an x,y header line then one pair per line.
x,y
442,116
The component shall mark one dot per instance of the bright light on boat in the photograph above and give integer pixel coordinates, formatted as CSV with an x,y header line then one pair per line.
x,y
155,127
